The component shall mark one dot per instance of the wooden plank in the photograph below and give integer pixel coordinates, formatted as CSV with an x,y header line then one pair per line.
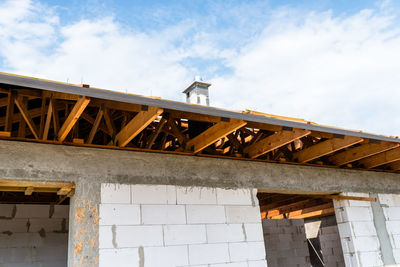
x,y
29,190
315,214
64,191
213,134
274,141
72,118
36,184
155,133
42,117
136,125
25,114
381,158
109,122
48,120
340,197
325,147
176,131
303,213
92,120
294,206
360,152
395,165
56,120
78,141
5,134
95,126
22,124
9,112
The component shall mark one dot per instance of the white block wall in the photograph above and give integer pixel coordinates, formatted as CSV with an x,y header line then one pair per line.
x,y
391,209
163,225
33,235
286,243
358,236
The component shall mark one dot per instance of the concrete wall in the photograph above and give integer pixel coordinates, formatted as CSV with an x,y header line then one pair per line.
x,y
285,243
164,225
370,231
331,246
33,235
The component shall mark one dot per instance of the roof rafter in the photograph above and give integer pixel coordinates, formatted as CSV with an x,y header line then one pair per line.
x,y
363,151
136,125
274,141
381,158
73,117
25,114
325,147
213,134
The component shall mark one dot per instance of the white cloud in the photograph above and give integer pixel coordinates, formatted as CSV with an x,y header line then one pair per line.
x,y
340,71
335,70
101,52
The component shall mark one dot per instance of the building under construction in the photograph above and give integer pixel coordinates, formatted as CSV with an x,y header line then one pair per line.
x,y
90,177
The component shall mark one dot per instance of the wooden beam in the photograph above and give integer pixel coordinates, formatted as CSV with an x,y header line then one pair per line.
x,y
22,124
314,214
136,125
212,134
56,120
176,131
155,133
5,134
9,112
25,114
395,165
64,191
35,184
274,141
340,197
29,190
294,206
96,124
325,147
303,213
381,158
48,120
360,152
109,122
73,117
42,117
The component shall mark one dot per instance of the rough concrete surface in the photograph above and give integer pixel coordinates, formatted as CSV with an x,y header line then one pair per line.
x,y
24,160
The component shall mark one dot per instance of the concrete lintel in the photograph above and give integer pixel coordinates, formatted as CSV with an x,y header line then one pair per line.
x,y
24,160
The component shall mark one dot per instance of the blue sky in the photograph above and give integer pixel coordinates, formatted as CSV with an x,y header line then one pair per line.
x,y
332,62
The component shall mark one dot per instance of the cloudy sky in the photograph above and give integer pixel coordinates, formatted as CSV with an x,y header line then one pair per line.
x,y
333,62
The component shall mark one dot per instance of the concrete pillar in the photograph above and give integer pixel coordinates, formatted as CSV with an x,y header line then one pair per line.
x,y
83,243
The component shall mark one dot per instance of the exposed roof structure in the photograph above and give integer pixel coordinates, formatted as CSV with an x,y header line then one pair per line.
x,y
52,112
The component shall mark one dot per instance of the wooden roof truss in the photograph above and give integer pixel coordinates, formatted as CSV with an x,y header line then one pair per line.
x,y
54,117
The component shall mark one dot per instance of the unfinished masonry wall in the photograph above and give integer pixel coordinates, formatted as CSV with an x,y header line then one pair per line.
x,y
33,235
164,225
331,247
370,231
286,243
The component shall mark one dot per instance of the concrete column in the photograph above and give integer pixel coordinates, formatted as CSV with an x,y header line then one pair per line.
x,y
83,243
